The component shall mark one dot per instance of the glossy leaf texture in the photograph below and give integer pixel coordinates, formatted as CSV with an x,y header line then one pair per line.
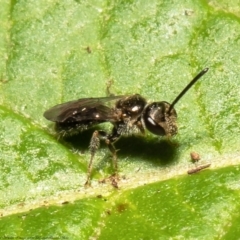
x,y
57,51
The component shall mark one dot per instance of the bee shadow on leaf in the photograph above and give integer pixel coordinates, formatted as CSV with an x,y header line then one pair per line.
x,y
159,151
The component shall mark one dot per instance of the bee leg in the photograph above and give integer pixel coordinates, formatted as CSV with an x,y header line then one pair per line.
x,y
113,137
94,145
114,154
114,177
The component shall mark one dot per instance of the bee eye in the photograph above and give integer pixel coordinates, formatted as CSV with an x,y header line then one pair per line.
x,y
158,120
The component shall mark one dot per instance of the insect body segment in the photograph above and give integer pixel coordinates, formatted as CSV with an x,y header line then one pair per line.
x,y
128,115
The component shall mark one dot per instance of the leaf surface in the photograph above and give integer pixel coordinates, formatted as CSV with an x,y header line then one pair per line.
x,y
57,51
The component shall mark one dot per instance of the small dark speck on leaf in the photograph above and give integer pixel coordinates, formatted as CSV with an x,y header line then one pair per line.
x,y
122,207
21,204
188,12
88,49
108,212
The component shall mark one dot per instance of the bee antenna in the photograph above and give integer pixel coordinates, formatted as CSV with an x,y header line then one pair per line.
x,y
187,88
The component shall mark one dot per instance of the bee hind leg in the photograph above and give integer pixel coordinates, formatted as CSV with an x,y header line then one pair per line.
x,y
94,145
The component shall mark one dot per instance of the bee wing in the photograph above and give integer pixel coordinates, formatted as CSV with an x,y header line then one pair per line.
x,y
82,109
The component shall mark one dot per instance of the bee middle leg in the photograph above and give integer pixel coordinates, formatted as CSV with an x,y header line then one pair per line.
x,y
94,145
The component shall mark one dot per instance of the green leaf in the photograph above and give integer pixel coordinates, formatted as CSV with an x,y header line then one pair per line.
x,y
56,51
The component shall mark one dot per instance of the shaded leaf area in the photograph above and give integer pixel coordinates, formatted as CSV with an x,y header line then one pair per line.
x,y
57,51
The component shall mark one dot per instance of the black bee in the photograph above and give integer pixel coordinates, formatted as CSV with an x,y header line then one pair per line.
x,y
131,114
